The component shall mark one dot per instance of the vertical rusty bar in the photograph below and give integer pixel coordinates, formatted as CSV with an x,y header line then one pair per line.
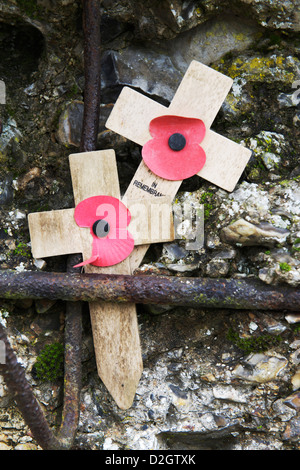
x,y
73,317
72,366
12,370
92,48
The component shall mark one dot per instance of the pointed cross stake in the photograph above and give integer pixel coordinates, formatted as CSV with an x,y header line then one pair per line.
x,y
200,95
53,233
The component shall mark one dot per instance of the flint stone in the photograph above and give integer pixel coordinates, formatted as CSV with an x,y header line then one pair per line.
x,y
148,71
293,401
217,37
296,380
230,393
292,431
217,267
293,318
6,191
260,368
70,124
160,72
243,233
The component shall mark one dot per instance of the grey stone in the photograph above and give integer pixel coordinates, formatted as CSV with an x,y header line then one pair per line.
x,y
217,267
160,72
230,393
210,41
260,368
10,136
6,191
292,431
70,124
175,251
293,318
146,70
244,233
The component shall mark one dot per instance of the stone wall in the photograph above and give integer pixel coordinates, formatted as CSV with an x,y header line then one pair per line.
x,y
213,379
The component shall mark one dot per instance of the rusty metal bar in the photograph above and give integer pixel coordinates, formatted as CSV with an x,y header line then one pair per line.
x,y
178,291
73,316
12,370
33,415
72,367
92,56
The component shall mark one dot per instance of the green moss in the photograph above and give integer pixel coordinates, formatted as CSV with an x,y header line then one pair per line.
x,y
284,267
207,205
253,344
22,250
49,364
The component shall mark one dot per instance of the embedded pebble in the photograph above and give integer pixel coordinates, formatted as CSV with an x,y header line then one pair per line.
x,y
230,393
296,380
293,401
244,233
293,318
260,368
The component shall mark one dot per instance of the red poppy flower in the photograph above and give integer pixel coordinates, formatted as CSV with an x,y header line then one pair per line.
x,y
108,219
174,152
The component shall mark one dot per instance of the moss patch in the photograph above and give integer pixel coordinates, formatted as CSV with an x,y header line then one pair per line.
x,y
49,364
284,267
253,344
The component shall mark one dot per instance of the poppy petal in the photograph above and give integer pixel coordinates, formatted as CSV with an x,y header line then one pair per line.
x,y
184,158
111,252
91,260
93,208
164,126
105,214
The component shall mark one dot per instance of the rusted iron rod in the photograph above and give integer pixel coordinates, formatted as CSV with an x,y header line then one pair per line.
x,y
12,370
14,375
72,367
191,292
92,68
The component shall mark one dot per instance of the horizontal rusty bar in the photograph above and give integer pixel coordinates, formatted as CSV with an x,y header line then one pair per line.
x,y
149,289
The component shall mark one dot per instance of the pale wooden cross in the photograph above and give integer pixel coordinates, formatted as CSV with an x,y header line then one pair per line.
x,y
54,233
199,95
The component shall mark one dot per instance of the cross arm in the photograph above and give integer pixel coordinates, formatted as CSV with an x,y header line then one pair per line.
x,y
225,159
54,233
131,115
225,162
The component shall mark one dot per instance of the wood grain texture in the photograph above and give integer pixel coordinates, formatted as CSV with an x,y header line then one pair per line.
x,y
200,95
151,220
226,163
115,328
54,233
94,174
144,177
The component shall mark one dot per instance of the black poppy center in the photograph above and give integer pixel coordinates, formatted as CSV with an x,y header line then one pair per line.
x,y
177,142
101,228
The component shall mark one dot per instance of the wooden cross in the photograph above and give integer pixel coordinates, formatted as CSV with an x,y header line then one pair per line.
x,y
53,233
199,95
